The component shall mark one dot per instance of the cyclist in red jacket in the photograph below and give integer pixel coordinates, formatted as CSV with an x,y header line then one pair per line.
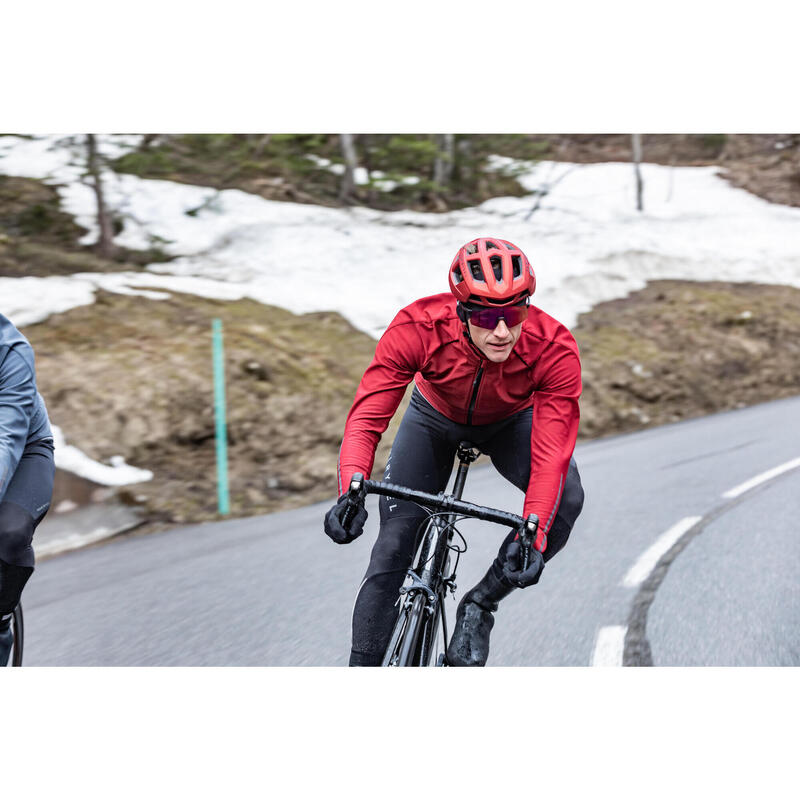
x,y
488,368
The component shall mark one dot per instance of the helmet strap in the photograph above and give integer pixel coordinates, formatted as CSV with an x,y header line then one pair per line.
x,y
462,315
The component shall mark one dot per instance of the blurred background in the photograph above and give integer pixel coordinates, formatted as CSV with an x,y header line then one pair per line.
x,y
673,258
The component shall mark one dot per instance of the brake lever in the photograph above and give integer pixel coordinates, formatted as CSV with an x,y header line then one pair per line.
x,y
355,496
527,537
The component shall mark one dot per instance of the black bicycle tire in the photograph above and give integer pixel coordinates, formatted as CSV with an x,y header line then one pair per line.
x,y
397,632
410,637
430,629
414,634
18,624
408,618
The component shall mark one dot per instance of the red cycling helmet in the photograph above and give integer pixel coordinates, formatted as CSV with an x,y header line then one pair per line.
x,y
491,272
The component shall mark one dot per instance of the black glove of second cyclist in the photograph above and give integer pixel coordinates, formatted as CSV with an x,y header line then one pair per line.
x,y
337,530
512,565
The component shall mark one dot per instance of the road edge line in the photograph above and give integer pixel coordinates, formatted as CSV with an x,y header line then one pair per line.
x,y
609,645
762,477
637,652
648,560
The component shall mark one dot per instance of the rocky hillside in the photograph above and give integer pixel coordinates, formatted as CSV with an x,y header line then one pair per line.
x,y
133,377
672,351
678,349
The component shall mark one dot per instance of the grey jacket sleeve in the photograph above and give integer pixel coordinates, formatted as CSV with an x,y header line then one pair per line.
x,y
17,402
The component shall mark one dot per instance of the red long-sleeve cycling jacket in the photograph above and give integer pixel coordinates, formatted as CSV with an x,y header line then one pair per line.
x,y
426,342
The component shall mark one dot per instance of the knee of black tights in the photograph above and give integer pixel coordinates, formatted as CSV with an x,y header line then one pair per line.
x,y
390,557
16,534
397,541
556,541
571,503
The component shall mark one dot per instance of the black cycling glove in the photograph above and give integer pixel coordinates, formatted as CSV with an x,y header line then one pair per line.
x,y
512,565
344,534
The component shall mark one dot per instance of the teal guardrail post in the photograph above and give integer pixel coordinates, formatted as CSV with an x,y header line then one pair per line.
x,y
219,417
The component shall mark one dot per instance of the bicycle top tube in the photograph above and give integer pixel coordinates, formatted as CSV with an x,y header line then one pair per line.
x,y
441,502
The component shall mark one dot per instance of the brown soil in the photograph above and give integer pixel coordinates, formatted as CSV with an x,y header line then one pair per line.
x,y
678,349
133,377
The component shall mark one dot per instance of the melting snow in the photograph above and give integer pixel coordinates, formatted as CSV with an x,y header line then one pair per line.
x,y
586,241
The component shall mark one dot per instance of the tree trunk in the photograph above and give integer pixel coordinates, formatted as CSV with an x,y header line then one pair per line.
x,y
445,158
350,165
636,143
263,141
147,140
105,244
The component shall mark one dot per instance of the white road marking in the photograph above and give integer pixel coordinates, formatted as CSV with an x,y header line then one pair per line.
x,y
608,646
764,476
646,562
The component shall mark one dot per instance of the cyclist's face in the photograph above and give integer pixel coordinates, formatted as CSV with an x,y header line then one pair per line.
x,y
497,344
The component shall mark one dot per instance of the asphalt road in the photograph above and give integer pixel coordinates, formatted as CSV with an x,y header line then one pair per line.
x,y
273,590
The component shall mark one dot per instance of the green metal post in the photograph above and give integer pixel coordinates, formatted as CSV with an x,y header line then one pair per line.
x,y
219,416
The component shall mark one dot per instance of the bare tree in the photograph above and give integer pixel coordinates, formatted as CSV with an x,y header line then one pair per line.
x,y
263,141
636,144
105,243
147,140
445,157
346,141
545,188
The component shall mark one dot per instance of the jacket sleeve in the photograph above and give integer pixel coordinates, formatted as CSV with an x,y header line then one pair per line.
x,y
556,414
17,403
398,357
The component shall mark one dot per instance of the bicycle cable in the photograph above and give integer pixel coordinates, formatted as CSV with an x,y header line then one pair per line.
x,y
449,527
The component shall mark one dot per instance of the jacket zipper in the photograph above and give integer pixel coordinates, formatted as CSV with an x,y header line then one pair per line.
x,y
476,384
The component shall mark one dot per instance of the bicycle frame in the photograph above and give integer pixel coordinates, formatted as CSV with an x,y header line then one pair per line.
x,y
422,603
422,608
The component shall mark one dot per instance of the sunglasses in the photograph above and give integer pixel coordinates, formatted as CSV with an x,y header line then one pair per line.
x,y
488,317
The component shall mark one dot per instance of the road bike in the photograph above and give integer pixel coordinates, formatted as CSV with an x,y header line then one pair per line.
x,y
422,597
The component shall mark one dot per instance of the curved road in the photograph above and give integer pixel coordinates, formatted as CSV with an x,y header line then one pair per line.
x,y
660,569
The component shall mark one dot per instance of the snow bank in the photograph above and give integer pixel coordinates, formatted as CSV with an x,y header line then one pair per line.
x,y
72,459
587,242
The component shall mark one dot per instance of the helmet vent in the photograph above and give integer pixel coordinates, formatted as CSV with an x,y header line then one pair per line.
x,y
497,267
474,265
491,245
517,266
457,276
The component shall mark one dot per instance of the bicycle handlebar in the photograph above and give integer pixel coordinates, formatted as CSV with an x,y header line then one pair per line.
x,y
359,487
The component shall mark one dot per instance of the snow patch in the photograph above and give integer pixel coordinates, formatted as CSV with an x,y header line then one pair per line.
x,y
586,240
118,473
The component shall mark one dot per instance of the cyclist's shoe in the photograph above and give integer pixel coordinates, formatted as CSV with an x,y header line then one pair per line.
x,y
469,645
6,640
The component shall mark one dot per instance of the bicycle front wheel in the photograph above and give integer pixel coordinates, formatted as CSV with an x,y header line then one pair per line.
x,y
18,628
403,644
